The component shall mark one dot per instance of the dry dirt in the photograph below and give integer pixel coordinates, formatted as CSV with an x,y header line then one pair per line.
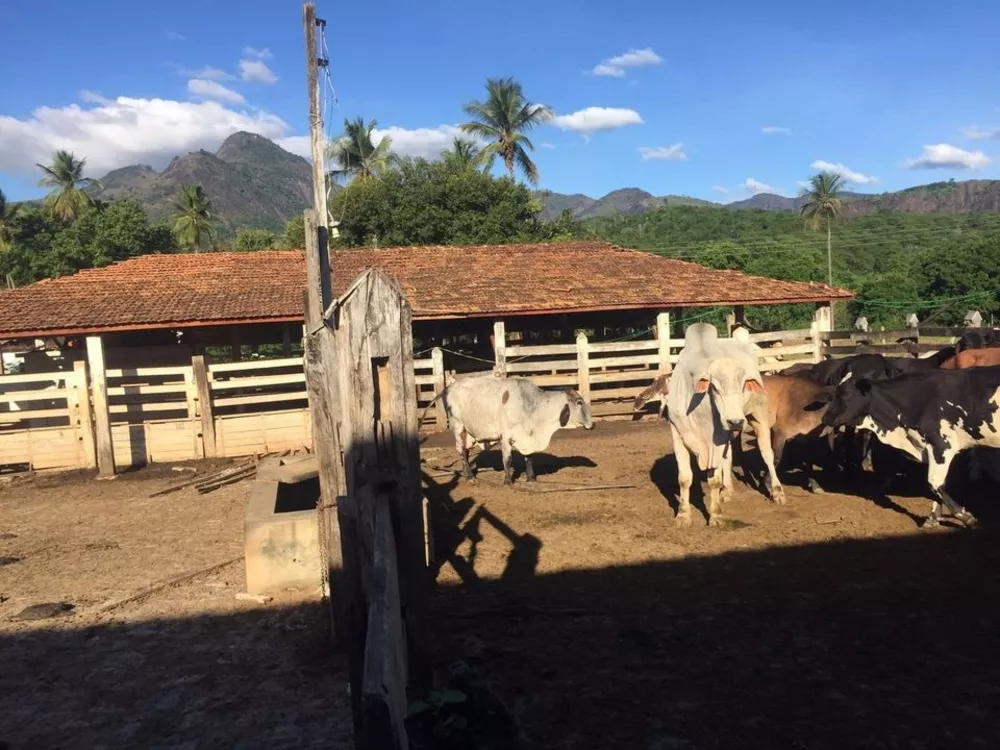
x,y
831,622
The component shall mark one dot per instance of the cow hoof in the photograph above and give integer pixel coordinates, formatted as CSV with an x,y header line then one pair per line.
x,y
930,523
716,521
967,518
813,486
682,520
778,496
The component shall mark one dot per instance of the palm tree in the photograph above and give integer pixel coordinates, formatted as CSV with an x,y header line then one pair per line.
x,y
463,153
356,153
65,175
194,217
503,119
7,213
822,203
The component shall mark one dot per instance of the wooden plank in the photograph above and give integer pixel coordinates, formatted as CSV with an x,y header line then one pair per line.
x,y
256,364
139,372
554,380
427,363
500,347
891,350
541,351
146,390
604,394
583,366
41,377
422,380
783,351
203,403
355,612
102,419
633,346
18,396
663,341
86,414
622,376
13,417
264,398
567,365
790,335
627,361
259,381
383,692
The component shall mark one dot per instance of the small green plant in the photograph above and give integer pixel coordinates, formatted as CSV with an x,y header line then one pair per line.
x,y
436,701
435,706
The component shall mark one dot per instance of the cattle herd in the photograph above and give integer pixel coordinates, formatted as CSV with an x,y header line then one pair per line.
x,y
926,409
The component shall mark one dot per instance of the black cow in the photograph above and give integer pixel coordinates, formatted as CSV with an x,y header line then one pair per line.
x,y
978,340
922,364
931,416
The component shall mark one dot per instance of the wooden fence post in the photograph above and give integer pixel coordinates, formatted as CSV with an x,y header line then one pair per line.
x,y
203,404
86,414
500,348
663,334
583,365
437,365
102,418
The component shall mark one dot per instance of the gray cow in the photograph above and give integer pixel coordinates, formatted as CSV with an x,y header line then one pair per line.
x,y
715,386
513,411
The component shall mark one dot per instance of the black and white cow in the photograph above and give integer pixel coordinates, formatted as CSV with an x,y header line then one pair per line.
x,y
931,416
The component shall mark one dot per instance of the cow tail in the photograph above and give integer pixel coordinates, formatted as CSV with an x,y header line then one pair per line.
x,y
420,419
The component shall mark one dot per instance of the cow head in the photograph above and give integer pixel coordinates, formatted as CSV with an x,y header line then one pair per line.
x,y
575,412
729,386
850,403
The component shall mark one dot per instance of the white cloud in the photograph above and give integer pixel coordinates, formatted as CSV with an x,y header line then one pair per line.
x,y
720,189
212,90
844,171
260,54
775,130
175,37
945,156
675,152
977,133
257,71
634,58
804,184
592,119
125,131
546,144
207,73
754,186
92,97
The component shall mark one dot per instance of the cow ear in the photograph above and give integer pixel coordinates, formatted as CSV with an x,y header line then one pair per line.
x,y
819,402
864,386
753,386
701,386
564,416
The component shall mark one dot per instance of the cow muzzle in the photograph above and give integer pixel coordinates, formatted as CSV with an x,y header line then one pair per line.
x,y
735,425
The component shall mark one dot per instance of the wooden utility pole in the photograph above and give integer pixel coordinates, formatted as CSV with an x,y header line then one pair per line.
x,y
320,292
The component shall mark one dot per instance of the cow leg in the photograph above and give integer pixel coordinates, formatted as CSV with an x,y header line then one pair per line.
x,y
760,419
529,469
507,451
715,478
937,474
727,478
462,443
685,477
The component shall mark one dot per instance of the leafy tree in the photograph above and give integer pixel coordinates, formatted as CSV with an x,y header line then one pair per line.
x,y
356,153
68,198
254,239
194,219
424,203
294,236
8,211
823,204
463,153
503,119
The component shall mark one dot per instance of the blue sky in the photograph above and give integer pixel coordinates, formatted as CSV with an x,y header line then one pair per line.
x,y
715,100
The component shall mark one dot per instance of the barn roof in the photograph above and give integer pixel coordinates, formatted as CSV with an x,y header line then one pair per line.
x,y
190,290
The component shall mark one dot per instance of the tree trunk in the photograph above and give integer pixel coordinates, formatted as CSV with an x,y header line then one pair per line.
x,y
829,254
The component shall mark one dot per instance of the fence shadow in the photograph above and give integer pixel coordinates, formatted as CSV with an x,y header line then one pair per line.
x,y
822,646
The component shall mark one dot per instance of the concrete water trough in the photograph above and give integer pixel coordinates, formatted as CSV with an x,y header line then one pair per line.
x,y
281,528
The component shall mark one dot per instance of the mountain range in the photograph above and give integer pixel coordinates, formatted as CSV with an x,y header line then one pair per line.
x,y
253,182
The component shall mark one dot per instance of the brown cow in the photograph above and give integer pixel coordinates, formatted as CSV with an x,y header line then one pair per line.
x,y
973,358
795,408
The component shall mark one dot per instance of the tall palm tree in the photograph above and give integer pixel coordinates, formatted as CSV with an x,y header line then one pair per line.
x,y
822,203
68,198
7,213
194,218
356,153
463,153
503,119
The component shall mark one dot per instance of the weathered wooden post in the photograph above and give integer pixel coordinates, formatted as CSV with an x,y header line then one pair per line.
x,y
663,334
81,386
102,417
500,348
819,329
203,405
583,365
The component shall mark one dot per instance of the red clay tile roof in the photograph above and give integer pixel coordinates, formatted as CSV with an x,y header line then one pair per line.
x,y
179,291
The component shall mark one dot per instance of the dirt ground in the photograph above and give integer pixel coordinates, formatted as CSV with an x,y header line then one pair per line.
x,y
831,622
188,666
